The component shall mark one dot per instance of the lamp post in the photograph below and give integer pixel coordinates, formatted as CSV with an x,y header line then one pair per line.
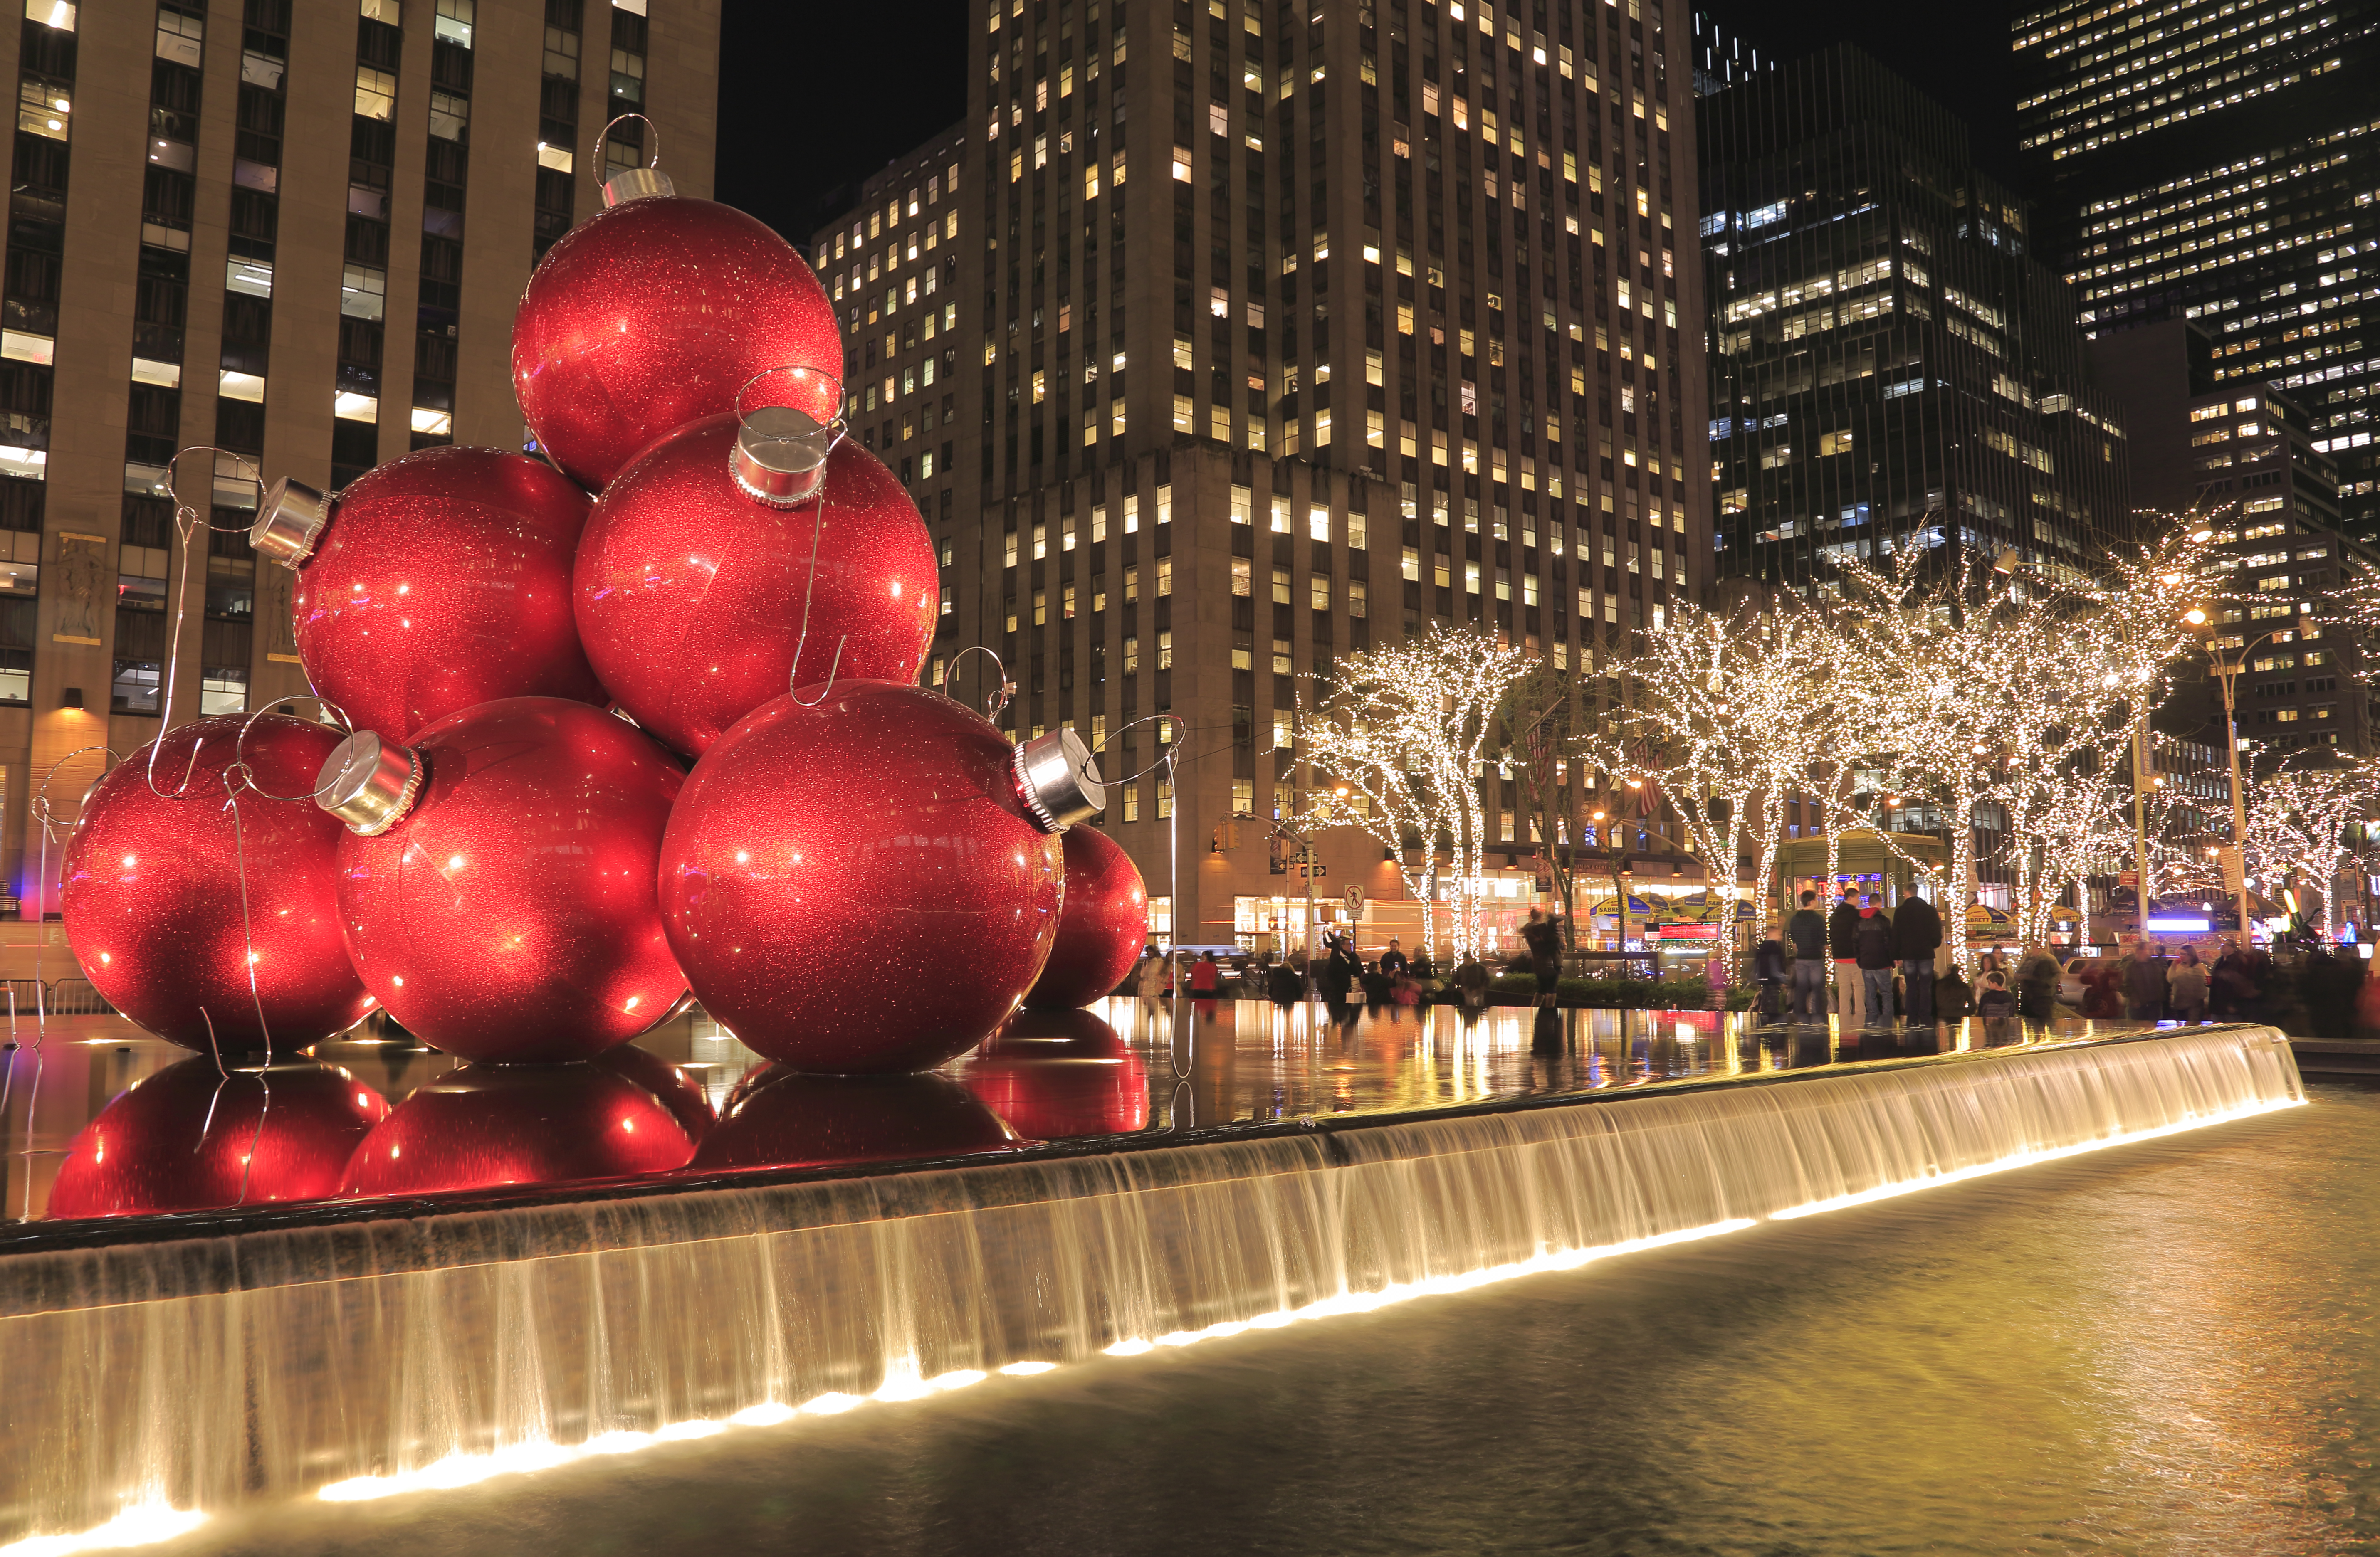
x,y
2227,669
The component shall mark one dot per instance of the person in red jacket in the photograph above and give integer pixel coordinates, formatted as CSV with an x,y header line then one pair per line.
x,y
1205,976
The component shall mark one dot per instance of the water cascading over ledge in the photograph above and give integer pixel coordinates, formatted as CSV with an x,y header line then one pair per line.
x,y
381,1355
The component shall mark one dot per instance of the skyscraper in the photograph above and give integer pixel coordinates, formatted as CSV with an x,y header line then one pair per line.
x,y
2216,164
1280,334
218,214
1892,363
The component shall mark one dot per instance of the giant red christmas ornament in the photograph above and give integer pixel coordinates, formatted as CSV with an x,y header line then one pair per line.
x,y
496,886
692,591
192,1137
434,583
790,1119
1103,925
152,890
680,1093
484,1127
871,884
1054,1074
653,313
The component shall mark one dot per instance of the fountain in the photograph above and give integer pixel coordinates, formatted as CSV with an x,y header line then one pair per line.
x,y
151,1379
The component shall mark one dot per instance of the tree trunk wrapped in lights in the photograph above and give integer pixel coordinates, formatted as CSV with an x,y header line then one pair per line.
x,y
1407,726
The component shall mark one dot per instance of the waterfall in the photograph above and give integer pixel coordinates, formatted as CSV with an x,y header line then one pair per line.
x,y
159,1379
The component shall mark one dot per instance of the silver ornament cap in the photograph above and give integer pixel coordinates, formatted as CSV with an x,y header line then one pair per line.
x,y
636,183
780,455
289,521
1058,780
369,783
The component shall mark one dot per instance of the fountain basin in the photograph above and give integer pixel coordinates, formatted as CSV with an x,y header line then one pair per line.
x,y
415,1345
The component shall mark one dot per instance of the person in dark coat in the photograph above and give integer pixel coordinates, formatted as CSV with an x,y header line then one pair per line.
x,y
2144,983
1769,964
1393,962
2036,995
1871,944
1543,938
1805,933
1916,936
1849,987
1337,973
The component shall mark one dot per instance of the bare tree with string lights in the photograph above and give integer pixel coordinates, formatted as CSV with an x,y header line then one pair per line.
x,y
1406,726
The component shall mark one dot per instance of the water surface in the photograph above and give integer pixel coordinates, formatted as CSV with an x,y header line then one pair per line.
x,y
2167,1347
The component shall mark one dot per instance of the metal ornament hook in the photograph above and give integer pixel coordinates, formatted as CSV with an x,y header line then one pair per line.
x,y
994,702
780,454
187,524
240,776
634,183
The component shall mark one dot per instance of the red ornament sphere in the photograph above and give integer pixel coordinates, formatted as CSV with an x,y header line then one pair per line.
x,y
679,1092
690,593
856,887
1103,927
510,913
485,1126
152,896
795,1120
1055,1074
652,313
188,1139
442,581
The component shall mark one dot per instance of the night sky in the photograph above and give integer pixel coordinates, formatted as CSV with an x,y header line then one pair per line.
x,y
815,98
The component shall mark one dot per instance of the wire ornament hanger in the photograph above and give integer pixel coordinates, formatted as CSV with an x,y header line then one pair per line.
x,y
779,461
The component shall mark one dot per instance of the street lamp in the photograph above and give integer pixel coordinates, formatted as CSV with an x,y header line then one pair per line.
x,y
2227,672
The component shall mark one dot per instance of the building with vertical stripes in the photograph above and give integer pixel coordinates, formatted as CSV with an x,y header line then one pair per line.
x,y
1222,339
292,229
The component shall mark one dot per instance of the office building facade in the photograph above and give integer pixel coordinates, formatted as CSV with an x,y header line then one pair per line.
x,y
2216,164
1890,362
1281,333
296,233
2243,460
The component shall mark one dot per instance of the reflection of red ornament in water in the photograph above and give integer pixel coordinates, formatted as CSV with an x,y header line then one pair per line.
x,y
439,581
690,592
186,1139
856,886
790,1119
486,1127
508,914
1102,928
151,900
1054,1074
652,313
679,1092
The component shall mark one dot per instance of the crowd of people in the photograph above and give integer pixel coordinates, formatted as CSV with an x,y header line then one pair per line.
x,y
1876,971
1344,976
1900,962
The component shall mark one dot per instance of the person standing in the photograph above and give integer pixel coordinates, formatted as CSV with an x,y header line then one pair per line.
x,y
2144,983
2036,997
1768,964
1339,971
1543,938
1872,943
1206,977
1842,927
1916,936
2187,980
1393,962
1806,933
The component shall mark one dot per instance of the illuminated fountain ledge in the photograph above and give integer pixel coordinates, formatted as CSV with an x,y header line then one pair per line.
x,y
149,1381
